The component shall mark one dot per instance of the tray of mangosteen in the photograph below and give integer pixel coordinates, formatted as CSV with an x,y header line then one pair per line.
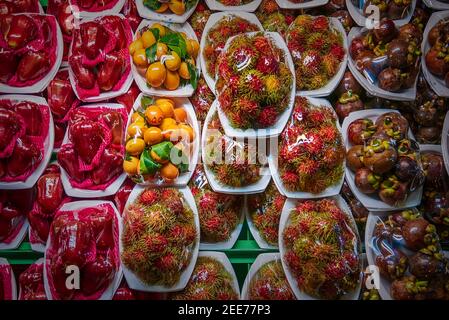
x,y
405,248
386,60
383,165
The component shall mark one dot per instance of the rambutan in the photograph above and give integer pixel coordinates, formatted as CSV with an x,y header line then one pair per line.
x,y
234,83
337,51
243,58
262,44
330,65
251,84
248,108
328,133
320,23
304,21
267,64
267,117
317,81
290,178
315,143
148,197
269,6
165,262
310,62
156,242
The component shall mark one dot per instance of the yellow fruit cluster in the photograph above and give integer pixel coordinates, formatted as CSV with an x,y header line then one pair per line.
x,y
168,70
161,121
178,7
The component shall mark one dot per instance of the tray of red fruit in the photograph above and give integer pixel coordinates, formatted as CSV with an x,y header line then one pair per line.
x,y
31,282
92,8
8,289
11,6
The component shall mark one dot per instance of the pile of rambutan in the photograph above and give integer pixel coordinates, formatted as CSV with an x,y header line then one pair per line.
x,y
199,18
317,51
270,283
273,18
234,163
219,213
209,281
311,152
225,28
158,237
202,99
322,249
265,211
254,82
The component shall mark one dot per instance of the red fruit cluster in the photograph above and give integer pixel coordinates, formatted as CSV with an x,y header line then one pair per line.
x,y
31,283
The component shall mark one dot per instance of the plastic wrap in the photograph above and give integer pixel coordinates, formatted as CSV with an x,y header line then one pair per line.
x,y
122,195
162,141
131,14
273,18
50,196
405,248
348,96
264,212
8,290
392,9
383,158
321,249
88,8
160,239
84,236
99,58
310,152
202,99
318,51
255,82
199,18
220,214
11,6
31,282
359,212
64,15
92,153
30,52
212,279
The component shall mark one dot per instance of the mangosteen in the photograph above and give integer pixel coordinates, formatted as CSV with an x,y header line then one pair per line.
x,y
386,31
428,135
366,181
393,124
426,114
436,207
397,9
433,35
334,5
406,169
379,156
364,59
360,130
426,266
357,46
409,32
403,289
349,83
380,4
345,18
347,103
418,234
392,191
436,65
390,79
393,264
397,51
353,157
433,165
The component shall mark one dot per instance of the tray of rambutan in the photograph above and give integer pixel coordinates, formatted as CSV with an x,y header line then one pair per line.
x,y
263,212
173,11
31,282
8,289
160,238
319,48
219,28
300,4
232,165
309,161
320,249
92,8
273,18
212,279
221,215
83,240
266,280
255,85
233,5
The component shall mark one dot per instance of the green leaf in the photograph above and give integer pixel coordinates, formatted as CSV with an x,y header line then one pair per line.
x,y
152,4
151,53
176,43
156,33
146,101
193,75
190,3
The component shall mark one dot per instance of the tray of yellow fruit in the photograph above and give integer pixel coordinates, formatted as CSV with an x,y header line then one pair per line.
x,y
162,141
165,59
176,11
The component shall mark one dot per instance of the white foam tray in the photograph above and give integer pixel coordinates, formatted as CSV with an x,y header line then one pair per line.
x,y
218,6
167,16
92,14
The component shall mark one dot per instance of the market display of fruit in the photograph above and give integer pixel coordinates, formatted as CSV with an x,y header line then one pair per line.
x,y
29,51
84,234
31,282
318,50
161,142
219,213
165,58
159,238
7,281
405,247
99,58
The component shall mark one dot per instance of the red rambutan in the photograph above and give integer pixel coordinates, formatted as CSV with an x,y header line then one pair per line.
x,y
315,143
148,197
262,44
156,242
337,51
165,262
267,64
290,178
267,117
320,23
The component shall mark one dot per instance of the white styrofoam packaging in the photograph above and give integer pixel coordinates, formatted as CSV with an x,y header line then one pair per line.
x,y
445,141
42,84
70,190
256,187
167,16
402,95
216,5
358,17
211,22
187,90
285,217
3,261
103,95
39,261
437,83
261,242
183,178
77,205
48,144
332,83
273,163
286,4
276,129
436,5
133,281
93,14
371,201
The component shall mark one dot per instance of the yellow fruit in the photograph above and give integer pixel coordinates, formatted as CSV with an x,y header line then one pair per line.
x,y
169,172
136,117
160,101
136,129
177,6
163,8
135,45
167,123
153,135
130,165
154,115
180,114
148,39
156,157
191,61
172,80
189,47
171,132
195,47
186,131
162,30
156,74
135,146
167,109
140,58
172,61
161,50
184,71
